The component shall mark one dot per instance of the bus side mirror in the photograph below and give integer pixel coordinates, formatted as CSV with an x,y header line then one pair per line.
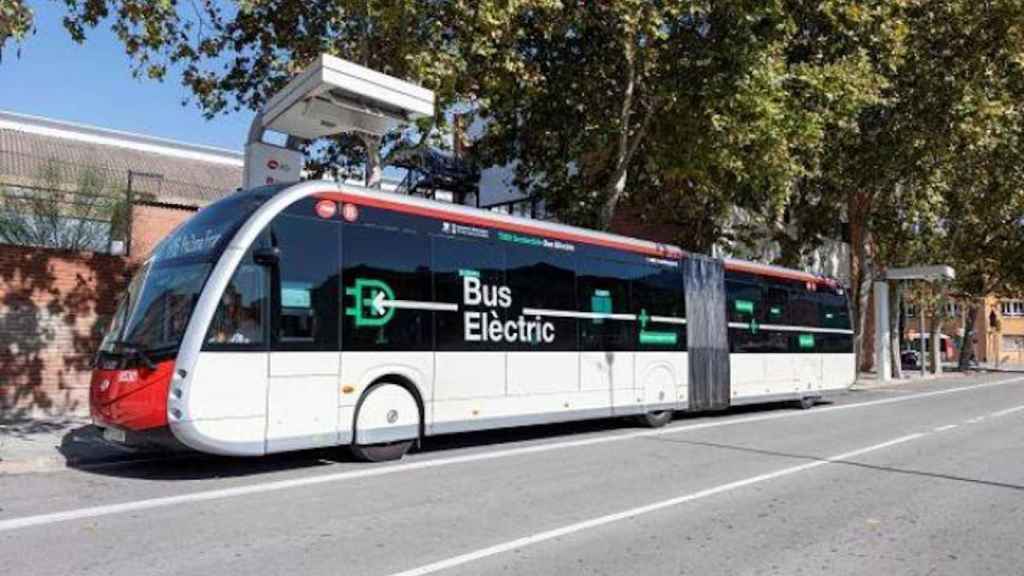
x,y
267,256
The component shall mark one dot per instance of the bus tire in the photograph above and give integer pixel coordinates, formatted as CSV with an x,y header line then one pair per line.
x,y
381,452
655,419
807,402
392,399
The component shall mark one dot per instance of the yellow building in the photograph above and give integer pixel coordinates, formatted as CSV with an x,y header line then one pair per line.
x,y
998,330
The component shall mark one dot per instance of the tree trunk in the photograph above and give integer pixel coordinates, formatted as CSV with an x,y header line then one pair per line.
x,y
374,167
860,280
612,201
617,182
967,345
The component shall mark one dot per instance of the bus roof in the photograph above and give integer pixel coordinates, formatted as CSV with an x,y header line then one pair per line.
x,y
777,271
474,216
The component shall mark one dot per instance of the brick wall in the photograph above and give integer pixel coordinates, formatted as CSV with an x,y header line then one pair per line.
x,y
54,307
150,224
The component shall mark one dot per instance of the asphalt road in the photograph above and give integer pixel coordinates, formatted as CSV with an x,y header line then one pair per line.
x,y
927,479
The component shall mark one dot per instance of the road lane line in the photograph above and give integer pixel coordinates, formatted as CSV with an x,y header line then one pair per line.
x,y
372,471
1007,411
641,510
974,420
946,427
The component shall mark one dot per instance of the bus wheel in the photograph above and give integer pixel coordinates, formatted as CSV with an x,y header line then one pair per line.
x,y
387,423
807,402
655,419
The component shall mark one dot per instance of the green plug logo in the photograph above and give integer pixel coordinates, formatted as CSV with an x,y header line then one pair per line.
x,y
371,298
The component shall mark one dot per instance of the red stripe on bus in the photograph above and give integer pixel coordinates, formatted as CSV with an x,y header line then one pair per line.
x,y
785,274
480,221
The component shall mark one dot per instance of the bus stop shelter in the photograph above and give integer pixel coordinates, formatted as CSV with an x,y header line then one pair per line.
x,y
883,327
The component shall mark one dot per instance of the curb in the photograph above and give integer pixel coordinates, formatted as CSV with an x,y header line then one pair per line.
x,y
78,448
873,384
39,464
30,465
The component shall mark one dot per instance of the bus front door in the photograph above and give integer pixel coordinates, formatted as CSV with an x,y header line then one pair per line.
x,y
305,355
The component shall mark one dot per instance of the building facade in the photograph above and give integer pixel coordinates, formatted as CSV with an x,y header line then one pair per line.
x,y
998,338
80,208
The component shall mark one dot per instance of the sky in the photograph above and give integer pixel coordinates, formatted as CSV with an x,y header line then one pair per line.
x,y
92,84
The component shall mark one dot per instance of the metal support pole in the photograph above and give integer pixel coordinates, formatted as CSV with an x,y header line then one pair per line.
x,y
920,337
897,367
883,338
130,216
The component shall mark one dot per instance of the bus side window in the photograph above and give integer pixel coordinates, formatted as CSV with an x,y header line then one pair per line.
x,y
776,304
457,262
833,311
240,316
542,278
744,301
602,287
660,307
803,308
383,264
306,283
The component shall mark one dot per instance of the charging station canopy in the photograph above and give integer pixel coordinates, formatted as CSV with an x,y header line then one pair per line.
x,y
333,96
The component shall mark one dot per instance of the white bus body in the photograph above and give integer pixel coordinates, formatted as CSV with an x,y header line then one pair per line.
x,y
286,318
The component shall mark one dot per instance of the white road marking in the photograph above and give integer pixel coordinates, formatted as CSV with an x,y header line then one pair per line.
x,y
369,472
946,427
1007,411
975,420
641,510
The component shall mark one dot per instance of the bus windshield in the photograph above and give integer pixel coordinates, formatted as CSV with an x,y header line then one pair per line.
x,y
156,308
155,311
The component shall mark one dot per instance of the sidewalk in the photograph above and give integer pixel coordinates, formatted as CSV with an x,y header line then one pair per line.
x,y
869,380
1000,368
41,445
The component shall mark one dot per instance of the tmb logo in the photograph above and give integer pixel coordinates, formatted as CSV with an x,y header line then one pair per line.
x,y
464,230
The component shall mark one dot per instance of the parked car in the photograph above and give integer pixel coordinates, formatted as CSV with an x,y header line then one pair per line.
x,y
910,359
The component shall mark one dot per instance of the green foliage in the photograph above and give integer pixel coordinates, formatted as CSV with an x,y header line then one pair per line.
x,y
898,118
950,157
15,22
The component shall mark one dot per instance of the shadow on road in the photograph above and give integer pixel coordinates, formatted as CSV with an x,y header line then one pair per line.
x,y
186,465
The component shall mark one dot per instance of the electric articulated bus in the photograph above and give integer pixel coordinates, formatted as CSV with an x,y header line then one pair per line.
x,y
309,315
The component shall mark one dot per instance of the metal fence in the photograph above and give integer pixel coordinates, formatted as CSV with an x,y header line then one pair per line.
x,y
55,199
